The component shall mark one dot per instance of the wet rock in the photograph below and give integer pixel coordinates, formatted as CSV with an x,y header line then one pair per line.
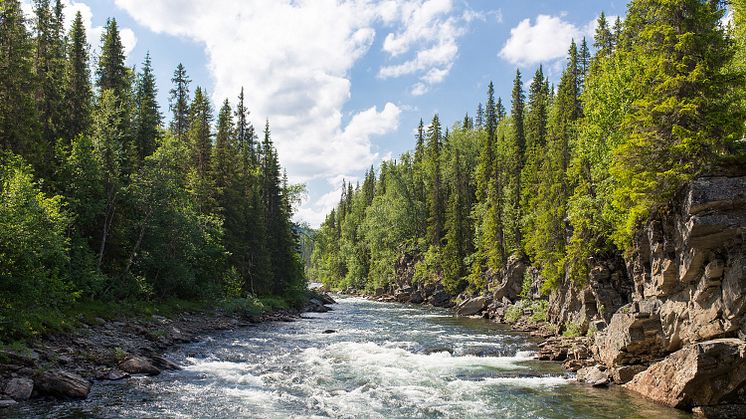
x,y
6,402
138,365
327,299
440,299
700,374
329,331
19,388
594,376
416,298
113,374
472,306
164,363
62,384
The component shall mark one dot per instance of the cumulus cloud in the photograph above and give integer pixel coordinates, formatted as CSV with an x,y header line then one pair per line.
x,y
434,25
129,40
544,41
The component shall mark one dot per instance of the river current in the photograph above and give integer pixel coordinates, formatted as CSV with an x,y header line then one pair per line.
x,y
384,360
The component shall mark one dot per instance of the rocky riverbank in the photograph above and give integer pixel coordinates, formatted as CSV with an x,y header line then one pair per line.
x,y
668,321
67,365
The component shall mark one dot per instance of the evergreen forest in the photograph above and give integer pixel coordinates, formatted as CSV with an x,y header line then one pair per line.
x,y
103,205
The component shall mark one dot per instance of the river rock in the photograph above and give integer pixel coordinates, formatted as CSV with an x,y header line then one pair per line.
x,y
19,388
594,376
440,299
138,365
164,363
62,384
6,401
472,306
700,374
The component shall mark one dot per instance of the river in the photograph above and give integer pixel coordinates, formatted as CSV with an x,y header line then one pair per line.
x,y
384,360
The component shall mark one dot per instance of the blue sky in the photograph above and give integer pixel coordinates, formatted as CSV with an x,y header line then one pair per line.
x,y
345,82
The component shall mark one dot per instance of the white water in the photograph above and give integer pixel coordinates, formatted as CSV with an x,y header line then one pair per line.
x,y
386,360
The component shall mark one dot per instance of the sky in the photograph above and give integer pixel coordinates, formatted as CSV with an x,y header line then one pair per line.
x,y
344,83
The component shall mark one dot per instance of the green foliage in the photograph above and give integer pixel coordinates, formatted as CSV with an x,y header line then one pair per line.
x,y
116,212
33,251
512,314
572,329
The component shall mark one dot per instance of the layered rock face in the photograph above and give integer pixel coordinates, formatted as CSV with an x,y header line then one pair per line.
x,y
689,271
591,304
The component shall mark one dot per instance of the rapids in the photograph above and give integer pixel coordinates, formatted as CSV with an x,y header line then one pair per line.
x,y
384,360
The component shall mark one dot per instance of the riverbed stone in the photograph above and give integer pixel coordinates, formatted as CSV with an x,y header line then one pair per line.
x,y
19,388
472,306
138,365
594,376
63,384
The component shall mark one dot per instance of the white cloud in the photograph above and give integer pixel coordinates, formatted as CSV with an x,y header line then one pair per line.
x,y
293,57
546,40
433,26
93,33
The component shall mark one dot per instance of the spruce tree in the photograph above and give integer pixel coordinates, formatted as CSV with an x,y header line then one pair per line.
x,y
78,90
111,72
200,134
18,121
49,69
147,111
479,118
435,198
519,137
604,38
179,103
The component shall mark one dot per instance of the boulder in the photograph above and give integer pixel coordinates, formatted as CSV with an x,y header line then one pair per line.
x,y
416,298
62,384
138,365
624,373
594,376
700,374
164,363
472,306
113,374
440,299
19,388
6,402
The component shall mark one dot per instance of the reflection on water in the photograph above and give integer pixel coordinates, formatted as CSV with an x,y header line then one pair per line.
x,y
385,360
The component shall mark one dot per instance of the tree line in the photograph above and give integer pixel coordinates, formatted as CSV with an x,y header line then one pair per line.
x,y
100,201
567,173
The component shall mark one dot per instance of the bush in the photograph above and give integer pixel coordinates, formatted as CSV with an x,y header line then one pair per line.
x,y
513,313
33,252
539,309
572,329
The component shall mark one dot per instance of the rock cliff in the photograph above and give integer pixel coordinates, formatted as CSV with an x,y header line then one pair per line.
x,y
684,330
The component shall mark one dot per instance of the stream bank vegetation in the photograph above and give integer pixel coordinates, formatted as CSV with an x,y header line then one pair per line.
x,y
106,211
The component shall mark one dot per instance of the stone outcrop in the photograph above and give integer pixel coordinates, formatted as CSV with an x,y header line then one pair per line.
x,y
681,339
62,384
591,304
509,281
701,374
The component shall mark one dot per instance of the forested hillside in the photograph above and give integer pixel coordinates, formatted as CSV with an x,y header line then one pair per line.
x,y
556,174
101,202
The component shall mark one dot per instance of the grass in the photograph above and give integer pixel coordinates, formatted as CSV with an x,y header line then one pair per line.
x,y
26,326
